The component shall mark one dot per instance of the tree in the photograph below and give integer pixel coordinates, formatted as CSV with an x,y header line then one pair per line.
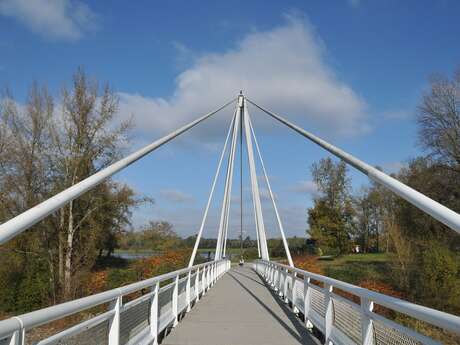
x,y
370,217
438,119
43,150
331,218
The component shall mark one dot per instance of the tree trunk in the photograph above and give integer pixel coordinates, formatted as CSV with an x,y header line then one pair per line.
x,y
68,255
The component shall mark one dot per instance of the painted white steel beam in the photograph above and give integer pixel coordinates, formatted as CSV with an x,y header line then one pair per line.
x,y
255,187
205,215
223,223
22,222
272,197
424,203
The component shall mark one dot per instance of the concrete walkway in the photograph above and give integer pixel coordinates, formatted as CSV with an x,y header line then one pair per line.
x,y
240,309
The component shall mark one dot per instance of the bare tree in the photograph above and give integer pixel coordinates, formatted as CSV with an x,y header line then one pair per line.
x,y
86,140
439,120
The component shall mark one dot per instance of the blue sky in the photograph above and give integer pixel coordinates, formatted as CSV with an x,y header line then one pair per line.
x,y
351,71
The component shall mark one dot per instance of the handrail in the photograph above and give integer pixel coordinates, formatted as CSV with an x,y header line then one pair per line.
x,y
49,314
435,317
23,221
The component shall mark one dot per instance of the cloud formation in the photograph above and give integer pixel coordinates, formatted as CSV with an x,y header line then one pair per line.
x,y
58,19
305,187
176,196
283,69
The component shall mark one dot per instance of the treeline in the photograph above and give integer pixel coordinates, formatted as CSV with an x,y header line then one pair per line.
x,y
47,145
426,252
160,237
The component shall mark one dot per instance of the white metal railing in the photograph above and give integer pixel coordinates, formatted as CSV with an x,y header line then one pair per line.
x,y
343,321
138,321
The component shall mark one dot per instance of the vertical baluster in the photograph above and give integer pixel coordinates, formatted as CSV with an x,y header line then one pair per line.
x,y
114,326
154,313
203,282
286,284
280,282
270,275
293,291
307,299
18,337
175,304
187,291
329,318
213,273
367,329
197,285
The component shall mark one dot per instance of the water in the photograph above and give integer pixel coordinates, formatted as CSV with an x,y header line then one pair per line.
x,y
143,255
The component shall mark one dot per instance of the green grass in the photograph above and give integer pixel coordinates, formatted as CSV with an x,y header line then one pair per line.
x,y
355,268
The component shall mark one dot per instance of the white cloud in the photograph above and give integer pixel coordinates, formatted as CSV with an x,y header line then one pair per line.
x,y
354,3
283,69
396,114
393,167
305,187
59,19
175,195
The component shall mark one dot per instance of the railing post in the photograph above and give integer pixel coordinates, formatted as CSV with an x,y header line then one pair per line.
x,y
277,278
306,299
197,285
187,291
114,325
293,292
154,313
213,273
175,304
367,329
280,281
18,337
328,319
285,287
203,282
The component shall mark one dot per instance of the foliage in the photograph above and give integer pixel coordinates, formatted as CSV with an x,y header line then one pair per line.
x,y
438,118
331,220
155,236
43,150
308,263
161,264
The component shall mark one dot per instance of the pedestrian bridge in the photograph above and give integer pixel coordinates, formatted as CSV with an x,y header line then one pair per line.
x,y
263,302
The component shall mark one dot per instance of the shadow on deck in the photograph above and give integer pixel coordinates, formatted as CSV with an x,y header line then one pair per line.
x,y
240,309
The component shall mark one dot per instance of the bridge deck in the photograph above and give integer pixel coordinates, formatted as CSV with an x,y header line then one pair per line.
x,y
240,309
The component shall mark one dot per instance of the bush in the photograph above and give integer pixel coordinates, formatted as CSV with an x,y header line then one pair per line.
x,y
434,276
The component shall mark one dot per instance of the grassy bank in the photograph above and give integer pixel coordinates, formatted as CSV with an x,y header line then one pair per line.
x,y
355,268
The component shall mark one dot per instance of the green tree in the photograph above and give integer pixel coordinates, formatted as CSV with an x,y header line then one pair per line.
x,y
331,218
43,150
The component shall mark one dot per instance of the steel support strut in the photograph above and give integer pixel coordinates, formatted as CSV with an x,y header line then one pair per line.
x,y
22,222
272,197
255,187
223,223
429,206
205,215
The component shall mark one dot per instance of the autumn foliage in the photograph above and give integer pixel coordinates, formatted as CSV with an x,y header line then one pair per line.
x,y
109,278
169,261
308,263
